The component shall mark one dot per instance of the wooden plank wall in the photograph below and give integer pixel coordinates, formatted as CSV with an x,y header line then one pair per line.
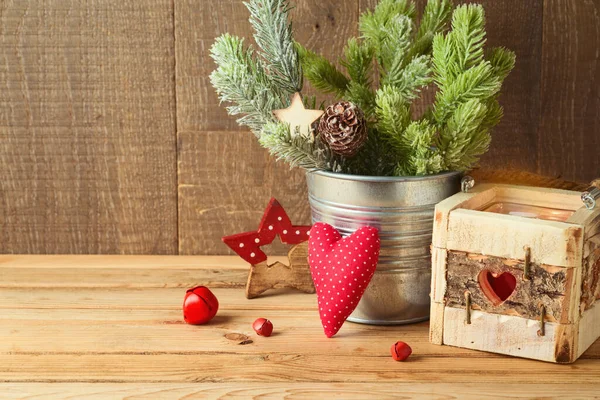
x,y
113,141
87,127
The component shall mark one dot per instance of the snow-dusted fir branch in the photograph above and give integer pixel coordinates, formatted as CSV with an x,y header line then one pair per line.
x,y
256,83
241,81
297,151
253,84
273,34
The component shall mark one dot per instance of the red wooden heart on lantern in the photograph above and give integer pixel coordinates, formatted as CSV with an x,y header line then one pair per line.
x,y
341,270
497,287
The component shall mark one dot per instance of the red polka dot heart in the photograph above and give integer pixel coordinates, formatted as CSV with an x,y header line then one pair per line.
x,y
341,270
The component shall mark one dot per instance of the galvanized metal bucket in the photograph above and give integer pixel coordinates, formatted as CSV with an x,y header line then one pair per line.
x,y
402,209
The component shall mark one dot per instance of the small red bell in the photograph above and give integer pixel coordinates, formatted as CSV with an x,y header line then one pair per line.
x,y
200,305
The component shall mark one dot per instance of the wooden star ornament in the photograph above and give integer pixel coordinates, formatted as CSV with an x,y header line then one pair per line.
x,y
275,222
299,118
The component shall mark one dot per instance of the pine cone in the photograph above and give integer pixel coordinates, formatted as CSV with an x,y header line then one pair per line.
x,y
344,128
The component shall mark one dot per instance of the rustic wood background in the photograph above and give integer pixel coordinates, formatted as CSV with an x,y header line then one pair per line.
x,y
112,139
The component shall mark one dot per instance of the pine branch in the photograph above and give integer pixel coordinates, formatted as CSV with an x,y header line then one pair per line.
x,y
494,114
435,19
468,34
466,105
412,78
393,116
395,46
273,35
464,139
242,81
462,48
444,64
297,151
478,82
362,96
387,30
502,61
371,22
424,158
322,74
359,62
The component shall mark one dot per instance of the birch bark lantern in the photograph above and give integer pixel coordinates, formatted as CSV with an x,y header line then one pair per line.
x,y
516,271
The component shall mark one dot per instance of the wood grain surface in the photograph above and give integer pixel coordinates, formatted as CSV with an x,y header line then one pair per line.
x,y
87,127
293,390
128,340
569,131
293,273
517,25
113,141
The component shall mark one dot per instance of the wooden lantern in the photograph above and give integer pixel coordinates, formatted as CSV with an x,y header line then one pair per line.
x,y
516,270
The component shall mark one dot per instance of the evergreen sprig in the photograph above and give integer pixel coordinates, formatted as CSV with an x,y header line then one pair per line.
x,y
359,62
321,73
297,151
397,51
466,106
241,80
273,34
435,17
410,79
393,117
423,158
387,29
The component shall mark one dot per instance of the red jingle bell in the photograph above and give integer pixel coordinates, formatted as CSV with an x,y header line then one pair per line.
x,y
400,351
263,327
200,305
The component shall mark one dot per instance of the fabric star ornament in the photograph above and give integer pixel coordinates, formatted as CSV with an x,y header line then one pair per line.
x,y
275,222
341,269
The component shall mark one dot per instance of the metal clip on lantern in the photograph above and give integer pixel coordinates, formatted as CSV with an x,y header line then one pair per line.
x,y
590,196
467,183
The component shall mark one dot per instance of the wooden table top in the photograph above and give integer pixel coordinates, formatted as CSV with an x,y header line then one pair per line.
x,y
112,327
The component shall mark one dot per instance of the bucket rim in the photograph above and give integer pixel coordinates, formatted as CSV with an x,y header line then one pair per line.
x,y
368,178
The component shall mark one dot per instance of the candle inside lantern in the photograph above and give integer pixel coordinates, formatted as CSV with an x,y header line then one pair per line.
x,y
529,211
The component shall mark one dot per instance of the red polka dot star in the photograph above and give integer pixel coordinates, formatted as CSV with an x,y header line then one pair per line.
x,y
296,274
275,221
